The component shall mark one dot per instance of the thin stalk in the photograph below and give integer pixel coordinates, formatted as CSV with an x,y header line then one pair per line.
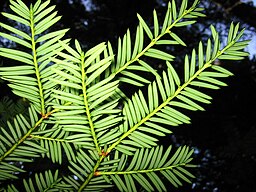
x,y
21,140
88,113
140,171
27,135
88,179
49,139
39,83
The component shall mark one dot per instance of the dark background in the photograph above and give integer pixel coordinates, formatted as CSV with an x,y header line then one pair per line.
x,y
224,136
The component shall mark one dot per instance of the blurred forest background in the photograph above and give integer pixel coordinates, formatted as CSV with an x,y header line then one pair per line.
x,y
224,136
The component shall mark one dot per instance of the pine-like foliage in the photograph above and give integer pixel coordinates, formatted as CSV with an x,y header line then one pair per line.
x,y
79,113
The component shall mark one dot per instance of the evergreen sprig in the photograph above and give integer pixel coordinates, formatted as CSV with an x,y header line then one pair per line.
x,y
75,97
